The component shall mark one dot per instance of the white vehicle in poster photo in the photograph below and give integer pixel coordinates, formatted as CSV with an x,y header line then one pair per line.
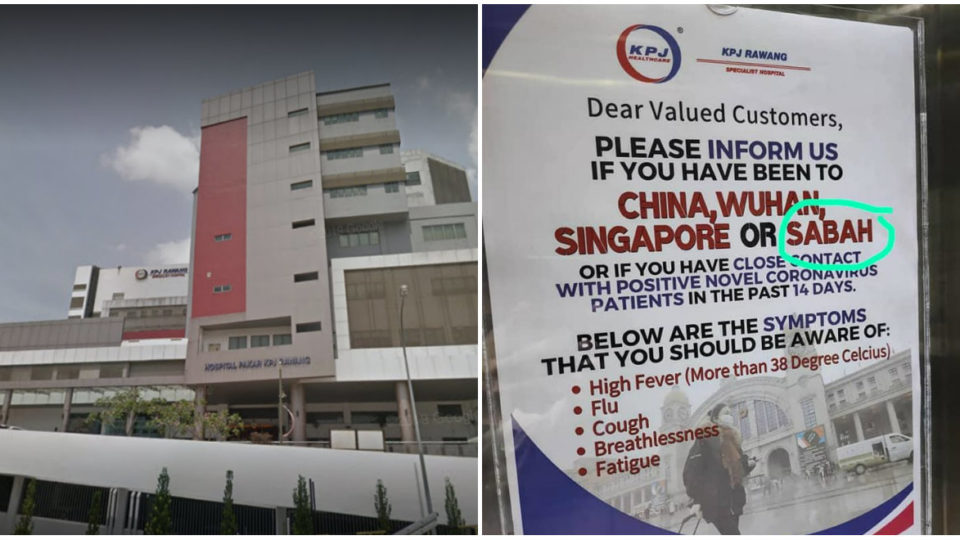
x,y
876,451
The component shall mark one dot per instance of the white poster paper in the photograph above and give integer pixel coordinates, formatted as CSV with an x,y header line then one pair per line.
x,y
701,239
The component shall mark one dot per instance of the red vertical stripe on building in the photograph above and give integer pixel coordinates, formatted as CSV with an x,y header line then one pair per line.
x,y
221,209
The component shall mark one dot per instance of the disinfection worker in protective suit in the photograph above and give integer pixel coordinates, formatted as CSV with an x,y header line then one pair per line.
x,y
714,473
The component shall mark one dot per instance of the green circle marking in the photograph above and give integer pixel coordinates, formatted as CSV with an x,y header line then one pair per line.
x,y
782,232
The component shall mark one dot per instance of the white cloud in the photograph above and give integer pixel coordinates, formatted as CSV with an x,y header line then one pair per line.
x,y
158,154
176,252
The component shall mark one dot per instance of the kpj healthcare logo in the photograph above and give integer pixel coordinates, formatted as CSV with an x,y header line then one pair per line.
x,y
648,53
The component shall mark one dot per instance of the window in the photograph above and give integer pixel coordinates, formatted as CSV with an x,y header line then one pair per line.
x,y
76,302
303,223
308,327
370,339
809,413
449,411
41,373
118,296
168,313
68,372
448,231
369,238
364,291
221,288
306,276
298,112
386,149
413,178
841,397
453,285
282,339
345,153
374,417
381,113
392,187
299,147
332,417
111,371
260,341
237,342
213,347
770,417
340,118
301,185
222,237
352,191
80,287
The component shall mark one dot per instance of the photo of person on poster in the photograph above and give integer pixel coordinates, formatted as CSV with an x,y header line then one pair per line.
x,y
714,471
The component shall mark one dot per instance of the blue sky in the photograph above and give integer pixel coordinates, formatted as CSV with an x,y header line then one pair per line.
x,y
100,114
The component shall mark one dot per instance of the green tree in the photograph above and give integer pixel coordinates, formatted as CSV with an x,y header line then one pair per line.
x,y
159,521
382,505
96,509
302,515
454,517
119,408
228,523
223,424
25,525
170,418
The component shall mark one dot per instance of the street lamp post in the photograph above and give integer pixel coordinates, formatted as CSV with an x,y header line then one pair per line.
x,y
413,403
279,403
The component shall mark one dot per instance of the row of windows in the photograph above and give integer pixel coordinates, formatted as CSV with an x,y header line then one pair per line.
x,y
441,286
147,313
343,192
222,288
263,340
341,118
413,337
366,291
370,238
46,373
347,153
447,231
840,397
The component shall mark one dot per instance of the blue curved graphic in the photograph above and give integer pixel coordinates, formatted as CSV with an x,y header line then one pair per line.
x,y
498,20
870,519
552,503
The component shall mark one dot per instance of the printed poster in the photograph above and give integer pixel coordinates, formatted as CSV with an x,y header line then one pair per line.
x,y
701,236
